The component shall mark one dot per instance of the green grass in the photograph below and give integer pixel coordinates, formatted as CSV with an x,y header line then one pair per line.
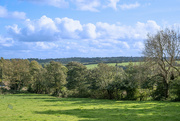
x,y
91,66
33,107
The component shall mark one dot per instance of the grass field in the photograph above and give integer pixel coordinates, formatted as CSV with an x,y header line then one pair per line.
x,y
91,66
33,107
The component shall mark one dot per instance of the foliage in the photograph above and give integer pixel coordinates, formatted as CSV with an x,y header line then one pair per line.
x,y
76,78
175,89
100,78
162,51
38,83
158,92
20,74
56,77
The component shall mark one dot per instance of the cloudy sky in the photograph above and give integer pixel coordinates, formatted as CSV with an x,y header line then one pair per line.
x,y
81,28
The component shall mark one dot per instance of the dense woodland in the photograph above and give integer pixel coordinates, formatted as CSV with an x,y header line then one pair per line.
x,y
86,60
156,78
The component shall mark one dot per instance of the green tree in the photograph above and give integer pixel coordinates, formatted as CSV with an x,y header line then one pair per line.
x,y
6,68
37,83
115,88
125,83
100,78
130,81
1,69
76,78
162,50
21,75
56,76
175,90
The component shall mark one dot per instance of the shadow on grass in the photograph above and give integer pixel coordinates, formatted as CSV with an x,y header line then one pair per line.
x,y
106,110
129,114
110,110
88,101
26,94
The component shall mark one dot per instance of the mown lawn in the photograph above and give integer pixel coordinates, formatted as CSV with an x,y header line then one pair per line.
x,y
33,107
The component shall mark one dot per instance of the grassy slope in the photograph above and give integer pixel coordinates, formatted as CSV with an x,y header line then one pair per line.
x,y
42,107
90,66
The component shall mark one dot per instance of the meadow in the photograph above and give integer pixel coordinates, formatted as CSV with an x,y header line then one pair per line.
x,y
36,107
91,66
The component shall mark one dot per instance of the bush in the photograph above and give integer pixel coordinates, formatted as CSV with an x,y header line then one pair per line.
x,y
158,92
175,89
143,94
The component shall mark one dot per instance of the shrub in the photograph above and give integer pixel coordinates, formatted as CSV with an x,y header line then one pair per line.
x,y
175,89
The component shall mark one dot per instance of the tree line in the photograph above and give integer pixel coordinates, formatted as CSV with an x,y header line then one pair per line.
x,y
86,60
156,78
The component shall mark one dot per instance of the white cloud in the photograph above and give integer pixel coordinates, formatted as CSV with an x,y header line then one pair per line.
x,y
68,28
144,28
87,5
55,3
13,29
45,23
43,27
139,31
69,25
69,35
129,6
105,30
58,3
19,15
46,45
5,41
47,29
89,31
125,44
113,4
110,43
175,26
4,13
139,45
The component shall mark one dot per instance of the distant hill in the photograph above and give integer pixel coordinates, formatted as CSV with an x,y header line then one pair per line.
x,y
86,60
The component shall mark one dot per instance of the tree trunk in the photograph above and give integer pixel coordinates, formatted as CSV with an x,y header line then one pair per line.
x,y
165,86
166,89
109,94
18,86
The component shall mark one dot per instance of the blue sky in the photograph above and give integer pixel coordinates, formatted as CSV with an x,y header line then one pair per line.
x,y
81,28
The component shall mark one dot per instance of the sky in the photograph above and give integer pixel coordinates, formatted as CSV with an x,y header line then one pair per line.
x,y
81,28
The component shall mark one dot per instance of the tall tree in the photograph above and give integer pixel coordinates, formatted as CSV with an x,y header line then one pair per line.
x,y
37,77
6,68
56,75
76,77
162,50
21,75
100,78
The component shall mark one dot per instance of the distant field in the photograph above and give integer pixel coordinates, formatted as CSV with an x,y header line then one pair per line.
x,y
90,66
34,107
